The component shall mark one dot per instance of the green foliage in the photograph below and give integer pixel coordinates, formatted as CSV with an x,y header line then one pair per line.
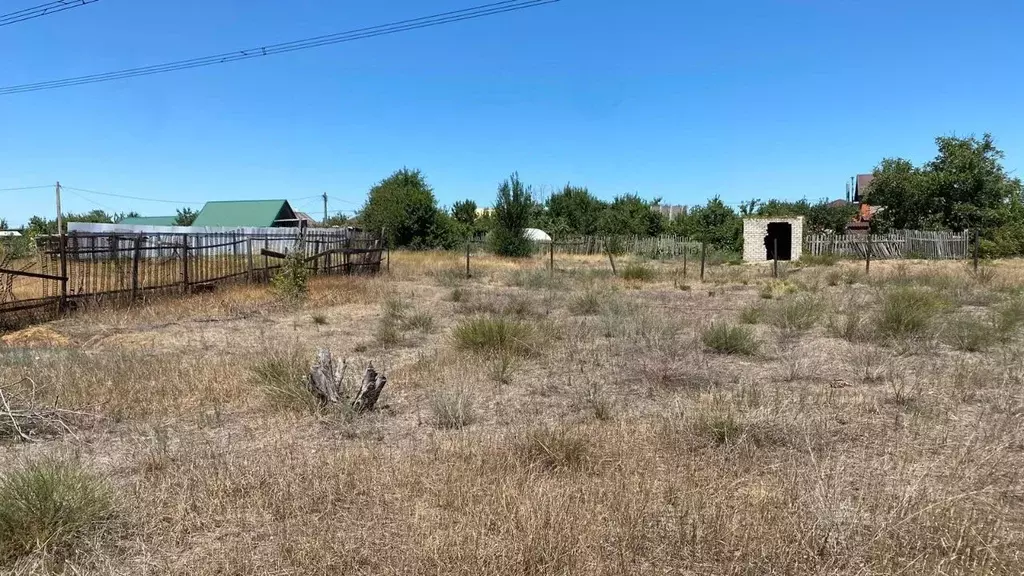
x,y
586,304
291,279
464,212
337,221
403,204
281,376
630,215
575,208
797,314
907,311
3,224
964,187
495,334
714,223
819,217
729,339
968,333
753,314
512,209
185,217
638,272
50,505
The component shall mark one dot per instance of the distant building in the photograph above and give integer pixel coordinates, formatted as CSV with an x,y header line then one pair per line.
x,y
670,211
307,219
248,214
150,220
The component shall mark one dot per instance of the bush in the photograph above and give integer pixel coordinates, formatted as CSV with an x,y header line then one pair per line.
x,y
907,311
512,210
796,314
51,505
452,409
420,321
291,279
281,376
752,314
552,449
586,304
403,204
638,272
495,334
970,334
728,339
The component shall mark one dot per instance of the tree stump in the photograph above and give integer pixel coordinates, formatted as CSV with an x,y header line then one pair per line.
x,y
370,390
327,378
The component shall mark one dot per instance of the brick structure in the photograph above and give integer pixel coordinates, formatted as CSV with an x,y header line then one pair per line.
x,y
761,234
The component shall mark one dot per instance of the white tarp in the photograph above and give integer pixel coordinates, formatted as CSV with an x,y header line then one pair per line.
x,y
536,235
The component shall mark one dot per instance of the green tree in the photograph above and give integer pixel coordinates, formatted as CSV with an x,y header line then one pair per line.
x,y
512,209
3,224
714,223
403,204
575,210
632,216
185,217
464,212
337,220
899,189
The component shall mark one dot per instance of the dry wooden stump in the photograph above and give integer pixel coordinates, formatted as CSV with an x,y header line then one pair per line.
x,y
327,382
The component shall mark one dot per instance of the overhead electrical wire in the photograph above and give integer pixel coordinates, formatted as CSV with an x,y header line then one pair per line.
x,y
22,188
285,47
42,10
176,202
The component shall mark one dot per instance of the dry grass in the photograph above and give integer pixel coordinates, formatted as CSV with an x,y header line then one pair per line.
x,y
595,435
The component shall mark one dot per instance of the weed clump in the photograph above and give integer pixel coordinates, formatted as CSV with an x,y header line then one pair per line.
x,y
51,505
452,409
730,339
552,448
495,334
638,273
281,376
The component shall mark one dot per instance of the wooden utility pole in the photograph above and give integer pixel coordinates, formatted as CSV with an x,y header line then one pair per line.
x,y
703,258
60,217
325,208
977,248
686,250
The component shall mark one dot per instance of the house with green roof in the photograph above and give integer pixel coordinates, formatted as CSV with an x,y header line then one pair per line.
x,y
150,220
247,214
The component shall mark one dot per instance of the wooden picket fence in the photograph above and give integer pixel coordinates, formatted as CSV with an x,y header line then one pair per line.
x,y
894,245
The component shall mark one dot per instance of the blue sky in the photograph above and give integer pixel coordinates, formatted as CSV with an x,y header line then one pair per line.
x,y
674,99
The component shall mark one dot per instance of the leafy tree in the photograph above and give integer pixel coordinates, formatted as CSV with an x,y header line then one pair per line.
x,y
714,223
576,210
464,212
631,215
512,209
404,205
964,186
185,217
3,224
337,220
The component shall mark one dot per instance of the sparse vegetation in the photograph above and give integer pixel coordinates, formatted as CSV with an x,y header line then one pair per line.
x,y
281,376
51,505
907,311
452,409
586,304
638,273
729,339
797,314
553,448
495,334
292,279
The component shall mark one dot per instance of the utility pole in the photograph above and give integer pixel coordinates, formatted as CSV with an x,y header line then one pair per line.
x,y
60,218
325,208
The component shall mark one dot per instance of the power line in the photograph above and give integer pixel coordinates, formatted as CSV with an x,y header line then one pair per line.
x,y
175,202
42,10
25,188
90,201
271,49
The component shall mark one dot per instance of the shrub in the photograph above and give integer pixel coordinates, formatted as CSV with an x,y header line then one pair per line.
x,y
420,321
291,279
722,427
552,449
728,339
586,304
819,260
319,319
452,409
970,334
796,314
512,209
520,307
1008,318
51,505
495,334
849,325
403,204
638,272
907,311
281,376
502,367
752,314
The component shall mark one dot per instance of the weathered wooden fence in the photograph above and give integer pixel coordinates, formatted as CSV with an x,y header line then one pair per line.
x,y
894,245
664,247
79,269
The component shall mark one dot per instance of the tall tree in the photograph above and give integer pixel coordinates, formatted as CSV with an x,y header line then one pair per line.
x,y
403,204
3,224
631,215
512,209
185,217
577,208
464,212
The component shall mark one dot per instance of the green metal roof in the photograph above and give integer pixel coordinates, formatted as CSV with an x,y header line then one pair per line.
x,y
255,213
150,220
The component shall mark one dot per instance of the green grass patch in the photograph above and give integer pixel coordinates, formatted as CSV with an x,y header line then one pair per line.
x,y
730,339
495,334
585,304
281,376
907,311
51,505
638,273
797,314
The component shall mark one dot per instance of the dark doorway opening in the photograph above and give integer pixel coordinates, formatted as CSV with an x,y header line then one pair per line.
x,y
779,234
